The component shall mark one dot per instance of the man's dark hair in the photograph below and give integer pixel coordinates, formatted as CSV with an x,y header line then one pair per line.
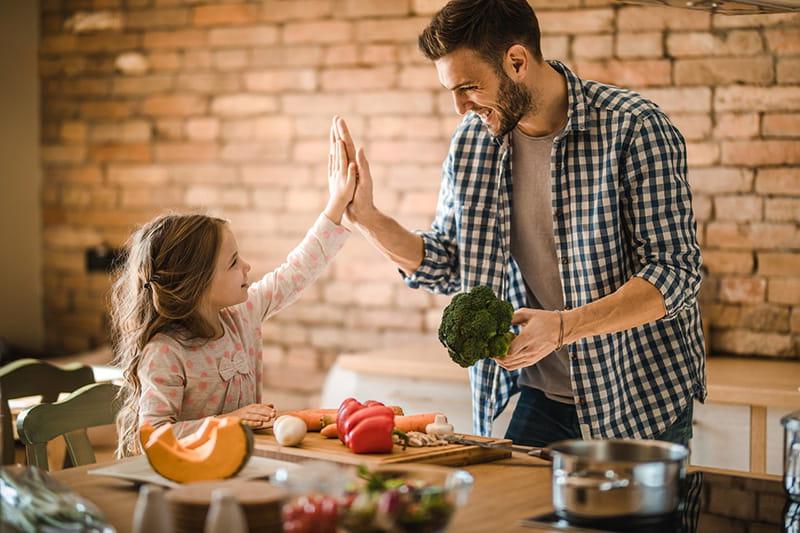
x,y
489,27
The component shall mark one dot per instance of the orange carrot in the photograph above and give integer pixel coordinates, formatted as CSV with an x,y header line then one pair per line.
x,y
316,419
414,422
330,432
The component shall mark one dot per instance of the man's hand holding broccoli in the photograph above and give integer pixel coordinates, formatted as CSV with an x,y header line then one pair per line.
x,y
475,325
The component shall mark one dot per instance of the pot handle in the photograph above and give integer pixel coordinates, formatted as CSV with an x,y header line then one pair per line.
x,y
590,480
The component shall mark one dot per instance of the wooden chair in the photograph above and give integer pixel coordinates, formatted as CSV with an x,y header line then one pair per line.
x,y
32,377
90,406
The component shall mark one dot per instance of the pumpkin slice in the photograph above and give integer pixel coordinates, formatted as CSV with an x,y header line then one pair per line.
x,y
201,436
221,449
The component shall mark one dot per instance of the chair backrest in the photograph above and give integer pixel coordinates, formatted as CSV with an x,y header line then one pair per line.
x,y
32,377
90,406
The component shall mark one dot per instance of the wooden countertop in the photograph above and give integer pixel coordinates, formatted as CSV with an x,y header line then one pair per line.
x,y
730,380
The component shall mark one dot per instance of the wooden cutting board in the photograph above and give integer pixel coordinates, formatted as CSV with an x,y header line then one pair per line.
x,y
315,446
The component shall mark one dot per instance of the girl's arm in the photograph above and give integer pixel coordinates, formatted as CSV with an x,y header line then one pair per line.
x,y
163,380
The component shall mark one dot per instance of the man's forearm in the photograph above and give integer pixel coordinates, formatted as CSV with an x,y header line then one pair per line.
x,y
404,248
637,302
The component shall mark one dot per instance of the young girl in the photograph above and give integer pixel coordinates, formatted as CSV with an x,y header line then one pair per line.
x,y
186,323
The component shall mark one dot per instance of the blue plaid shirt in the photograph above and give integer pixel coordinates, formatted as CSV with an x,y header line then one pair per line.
x,y
621,208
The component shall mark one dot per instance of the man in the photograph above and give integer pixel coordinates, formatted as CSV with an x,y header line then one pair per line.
x,y
569,199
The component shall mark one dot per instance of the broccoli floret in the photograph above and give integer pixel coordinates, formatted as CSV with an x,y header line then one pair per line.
x,y
475,325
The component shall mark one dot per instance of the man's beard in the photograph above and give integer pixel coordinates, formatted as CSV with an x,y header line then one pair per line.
x,y
514,101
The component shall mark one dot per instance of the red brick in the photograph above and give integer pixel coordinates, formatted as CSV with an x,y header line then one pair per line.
x,y
174,106
781,125
141,85
192,173
222,15
784,41
211,83
276,174
196,60
391,127
702,207
778,264
176,39
86,174
702,154
741,98
316,104
681,100
741,208
779,181
328,31
788,70
341,54
702,44
724,71
255,151
593,46
555,46
744,342
105,43
583,21
782,209
133,153
61,154
106,109
754,236
630,73
742,290
756,21
245,37
657,18
230,60
719,262
281,80
353,79
756,153
635,45
243,104
148,19
58,44
390,30
202,129
282,56
765,317
379,54
694,127
141,197
784,291
170,129
120,132
393,102
305,200
372,8
73,132
78,87
283,10
402,151
196,151
427,7
137,174
736,126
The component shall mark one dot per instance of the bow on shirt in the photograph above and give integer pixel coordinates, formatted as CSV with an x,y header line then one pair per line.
x,y
229,367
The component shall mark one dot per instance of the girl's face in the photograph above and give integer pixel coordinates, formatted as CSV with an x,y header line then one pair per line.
x,y
229,283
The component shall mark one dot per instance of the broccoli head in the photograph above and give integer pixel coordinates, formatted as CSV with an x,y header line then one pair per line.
x,y
475,325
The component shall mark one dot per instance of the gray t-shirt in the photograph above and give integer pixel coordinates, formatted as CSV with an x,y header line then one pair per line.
x,y
533,247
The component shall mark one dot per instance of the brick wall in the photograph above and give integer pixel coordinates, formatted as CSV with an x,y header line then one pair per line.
x,y
150,105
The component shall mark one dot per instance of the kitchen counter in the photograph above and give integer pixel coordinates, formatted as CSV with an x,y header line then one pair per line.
x,y
510,490
730,380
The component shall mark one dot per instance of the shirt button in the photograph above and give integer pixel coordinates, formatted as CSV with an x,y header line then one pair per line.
x,y
581,401
564,260
567,308
557,213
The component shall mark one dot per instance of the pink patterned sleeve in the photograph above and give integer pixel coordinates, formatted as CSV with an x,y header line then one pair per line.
x,y
163,380
282,286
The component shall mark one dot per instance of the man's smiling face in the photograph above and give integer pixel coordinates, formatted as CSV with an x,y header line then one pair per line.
x,y
478,87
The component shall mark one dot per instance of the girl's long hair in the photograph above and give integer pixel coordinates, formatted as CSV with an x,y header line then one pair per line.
x,y
159,288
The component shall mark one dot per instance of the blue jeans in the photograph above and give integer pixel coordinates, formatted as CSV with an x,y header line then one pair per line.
x,y
540,421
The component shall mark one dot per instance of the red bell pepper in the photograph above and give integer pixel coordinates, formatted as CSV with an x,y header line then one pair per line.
x,y
367,427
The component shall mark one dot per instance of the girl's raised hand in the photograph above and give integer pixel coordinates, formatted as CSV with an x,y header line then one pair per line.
x,y
341,177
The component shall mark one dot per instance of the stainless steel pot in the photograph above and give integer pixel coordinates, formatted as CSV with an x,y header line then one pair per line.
x,y
791,454
601,479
